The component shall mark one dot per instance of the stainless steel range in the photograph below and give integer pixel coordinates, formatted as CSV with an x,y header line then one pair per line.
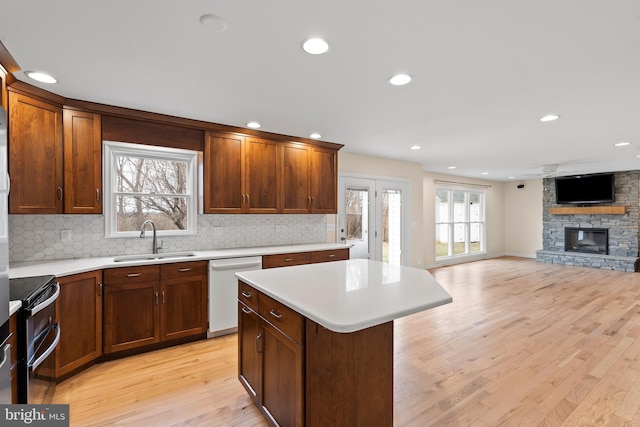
x,y
38,335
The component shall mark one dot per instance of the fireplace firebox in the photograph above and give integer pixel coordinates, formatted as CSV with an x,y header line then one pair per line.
x,y
590,240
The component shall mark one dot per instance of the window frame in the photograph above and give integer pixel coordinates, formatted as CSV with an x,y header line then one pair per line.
x,y
466,223
112,149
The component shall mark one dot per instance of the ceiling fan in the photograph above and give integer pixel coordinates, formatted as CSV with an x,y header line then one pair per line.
x,y
551,171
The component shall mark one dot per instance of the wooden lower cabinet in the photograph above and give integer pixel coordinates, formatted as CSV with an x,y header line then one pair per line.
x,y
324,378
270,367
183,305
156,303
301,258
79,312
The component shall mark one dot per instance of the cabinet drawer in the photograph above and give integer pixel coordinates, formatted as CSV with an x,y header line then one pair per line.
x,y
285,260
183,269
248,295
139,274
282,317
332,255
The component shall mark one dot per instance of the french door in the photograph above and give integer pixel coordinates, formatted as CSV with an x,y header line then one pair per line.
x,y
373,217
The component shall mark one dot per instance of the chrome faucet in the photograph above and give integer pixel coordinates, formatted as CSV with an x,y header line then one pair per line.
x,y
155,241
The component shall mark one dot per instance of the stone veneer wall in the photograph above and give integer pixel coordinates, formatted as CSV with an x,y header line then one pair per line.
x,y
39,237
624,230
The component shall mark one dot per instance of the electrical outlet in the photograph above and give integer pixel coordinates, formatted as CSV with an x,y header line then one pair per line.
x,y
65,235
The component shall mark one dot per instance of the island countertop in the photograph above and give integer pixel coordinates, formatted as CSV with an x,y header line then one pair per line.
x,y
348,296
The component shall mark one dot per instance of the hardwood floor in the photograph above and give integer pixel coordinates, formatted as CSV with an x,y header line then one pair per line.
x,y
523,344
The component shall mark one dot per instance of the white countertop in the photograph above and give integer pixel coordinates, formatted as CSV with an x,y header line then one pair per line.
x,y
67,267
14,306
347,296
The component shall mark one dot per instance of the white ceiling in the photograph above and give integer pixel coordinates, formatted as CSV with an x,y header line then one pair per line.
x,y
484,73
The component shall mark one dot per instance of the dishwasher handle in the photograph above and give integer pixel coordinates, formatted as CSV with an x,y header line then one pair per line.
x,y
235,266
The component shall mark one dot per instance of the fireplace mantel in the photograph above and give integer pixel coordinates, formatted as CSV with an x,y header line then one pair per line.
x,y
589,210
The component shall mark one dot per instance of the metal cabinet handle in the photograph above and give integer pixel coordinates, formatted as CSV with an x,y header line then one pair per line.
x,y
60,193
248,200
311,200
245,310
275,314
133,275
100,289
332,255
156,298
182,270
259,347
247,294
288,259
97,194
164,300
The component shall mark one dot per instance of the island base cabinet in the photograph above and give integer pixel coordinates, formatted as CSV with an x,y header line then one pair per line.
x,y
349,376
249,361
282,378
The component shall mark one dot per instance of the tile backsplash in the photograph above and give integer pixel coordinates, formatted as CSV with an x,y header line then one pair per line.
x,y
51,237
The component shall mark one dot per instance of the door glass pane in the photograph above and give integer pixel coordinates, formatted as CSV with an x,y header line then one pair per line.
x,y
475,207
459,206
391,226
357,221
442,206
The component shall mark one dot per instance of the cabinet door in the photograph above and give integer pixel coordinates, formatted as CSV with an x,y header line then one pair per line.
x,y
295,178
79,312
262,189
249,352
224,173
131,315
82,162
183,307
282,378
324,180
35,156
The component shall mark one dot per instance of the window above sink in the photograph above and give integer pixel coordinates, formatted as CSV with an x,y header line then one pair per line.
x,y
144,182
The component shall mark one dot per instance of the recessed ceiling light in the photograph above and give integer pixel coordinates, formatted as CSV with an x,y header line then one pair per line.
x,y
511,177
451,167
315,135
549,118
621,144
638,155
416,147
485,173
40,77
254,125
400,79
213,23
315,46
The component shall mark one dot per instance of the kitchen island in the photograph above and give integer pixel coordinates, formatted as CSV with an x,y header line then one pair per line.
x,y
316,341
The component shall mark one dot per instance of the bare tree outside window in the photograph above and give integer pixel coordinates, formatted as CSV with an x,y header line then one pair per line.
x,y
150,189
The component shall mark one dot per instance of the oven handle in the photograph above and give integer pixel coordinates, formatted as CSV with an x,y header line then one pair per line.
x,y
48,351
48,301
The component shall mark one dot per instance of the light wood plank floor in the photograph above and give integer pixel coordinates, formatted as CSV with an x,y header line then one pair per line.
x,y
523,344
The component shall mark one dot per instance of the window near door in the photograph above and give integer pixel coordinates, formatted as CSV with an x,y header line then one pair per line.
x,y
460,222
146,182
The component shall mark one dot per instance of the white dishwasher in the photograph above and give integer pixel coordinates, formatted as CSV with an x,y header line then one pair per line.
x,y
223,293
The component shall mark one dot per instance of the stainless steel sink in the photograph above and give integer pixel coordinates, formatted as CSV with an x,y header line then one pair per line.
x,y
150,257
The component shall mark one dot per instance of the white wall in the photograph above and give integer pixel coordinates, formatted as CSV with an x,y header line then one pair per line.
x,y
523,218
382,167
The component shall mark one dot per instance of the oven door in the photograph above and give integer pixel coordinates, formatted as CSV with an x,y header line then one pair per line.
x,y
41,366
43,335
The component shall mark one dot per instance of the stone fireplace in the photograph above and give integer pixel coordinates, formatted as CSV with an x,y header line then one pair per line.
x,y
587,240
616,250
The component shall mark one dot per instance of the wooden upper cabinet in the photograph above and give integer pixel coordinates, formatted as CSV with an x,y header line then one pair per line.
x,y
262,189
241,174
324,180
296,161
223,173
35,156
310,179
82,162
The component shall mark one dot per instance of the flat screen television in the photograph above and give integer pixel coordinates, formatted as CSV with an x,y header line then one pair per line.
x,y
585,189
